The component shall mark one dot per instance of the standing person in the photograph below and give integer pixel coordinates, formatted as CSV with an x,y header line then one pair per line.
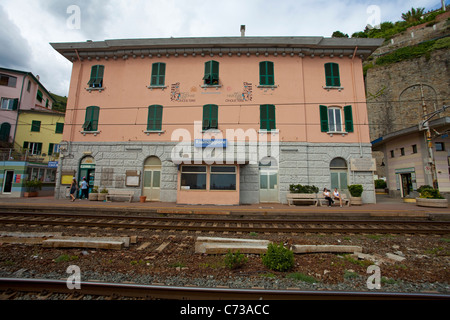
x,y
327,195
84,189
337,196
73,189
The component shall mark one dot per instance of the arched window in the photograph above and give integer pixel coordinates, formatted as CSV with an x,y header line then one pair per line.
x,y
339,172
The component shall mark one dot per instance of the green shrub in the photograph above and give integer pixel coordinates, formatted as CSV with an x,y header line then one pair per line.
x,y
235,260
278,258
431,194
298,188
380,184
355,190
423,188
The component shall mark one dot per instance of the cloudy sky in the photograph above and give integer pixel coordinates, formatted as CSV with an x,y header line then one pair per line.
x,y
28,26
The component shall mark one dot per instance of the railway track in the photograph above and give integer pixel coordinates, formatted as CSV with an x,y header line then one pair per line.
x,y
212,224
11,288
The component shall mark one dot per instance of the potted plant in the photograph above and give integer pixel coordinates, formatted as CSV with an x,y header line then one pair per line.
x,y
32,188
102,194
430,197
93,195
380,186
356,191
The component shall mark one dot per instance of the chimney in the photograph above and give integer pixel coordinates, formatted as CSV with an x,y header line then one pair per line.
x,y
243,30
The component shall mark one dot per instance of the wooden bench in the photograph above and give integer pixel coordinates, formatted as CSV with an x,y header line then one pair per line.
x,y
345,200
120,194
301,197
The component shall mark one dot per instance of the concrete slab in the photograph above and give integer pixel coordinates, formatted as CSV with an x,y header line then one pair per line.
x,y
214,245
82,243
325,249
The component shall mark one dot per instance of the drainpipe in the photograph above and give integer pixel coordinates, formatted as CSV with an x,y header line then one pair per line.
x,y
18,107
356,101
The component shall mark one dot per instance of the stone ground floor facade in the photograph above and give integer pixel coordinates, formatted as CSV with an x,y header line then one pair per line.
x,y
244,175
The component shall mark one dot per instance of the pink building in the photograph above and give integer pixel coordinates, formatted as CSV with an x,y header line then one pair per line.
x,y
19,90
217,120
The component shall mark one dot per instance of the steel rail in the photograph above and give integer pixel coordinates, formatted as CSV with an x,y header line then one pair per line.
x,y
274,225
151,292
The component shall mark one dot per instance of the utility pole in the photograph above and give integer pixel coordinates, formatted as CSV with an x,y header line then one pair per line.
x,y
425,125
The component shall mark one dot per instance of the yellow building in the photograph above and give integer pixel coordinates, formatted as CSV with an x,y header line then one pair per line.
x,y
39,133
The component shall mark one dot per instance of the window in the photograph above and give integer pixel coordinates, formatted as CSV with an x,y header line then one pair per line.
x,y
266,74
154,121
332,78
267,117
9,104
210,116
414,148
53,148
29,86
193,177
331,119
5,130
35,126
7,80
211,77
39,96
338,174
402,151
59,127
96,80
392,154
91,118
158,74
439,146
223,178
34,148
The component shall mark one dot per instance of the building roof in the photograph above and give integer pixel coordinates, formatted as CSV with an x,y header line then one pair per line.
x,y
443,122
309,46
32,76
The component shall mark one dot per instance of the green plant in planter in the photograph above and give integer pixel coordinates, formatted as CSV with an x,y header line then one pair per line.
x,y
33,185
104,190
355,190
380,184
94,189
298,188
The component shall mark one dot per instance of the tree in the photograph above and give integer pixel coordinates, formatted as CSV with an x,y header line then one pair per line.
x,y
413,15
339,34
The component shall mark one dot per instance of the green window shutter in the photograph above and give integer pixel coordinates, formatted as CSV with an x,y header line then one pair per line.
x,y
154,118
35,126
91,118
50,149
211,73
59,127
39,96
348,116
15,104
332,75
266,73
39,147
96,80
158,74
25,144
324,118
210,116
267,117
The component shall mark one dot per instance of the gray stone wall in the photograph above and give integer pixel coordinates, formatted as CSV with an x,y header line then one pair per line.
x,y
299,163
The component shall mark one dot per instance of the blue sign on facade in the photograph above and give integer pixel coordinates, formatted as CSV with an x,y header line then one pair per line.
x,y
210,143
53,164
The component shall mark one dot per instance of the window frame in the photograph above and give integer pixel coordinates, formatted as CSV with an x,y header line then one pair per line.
x,y
210,118
8,80
222,173
266,111
35,126
346,115
332,75
211,76
154,117
91,119
266,73
158,76
186,171
10,103
96,78
59,127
